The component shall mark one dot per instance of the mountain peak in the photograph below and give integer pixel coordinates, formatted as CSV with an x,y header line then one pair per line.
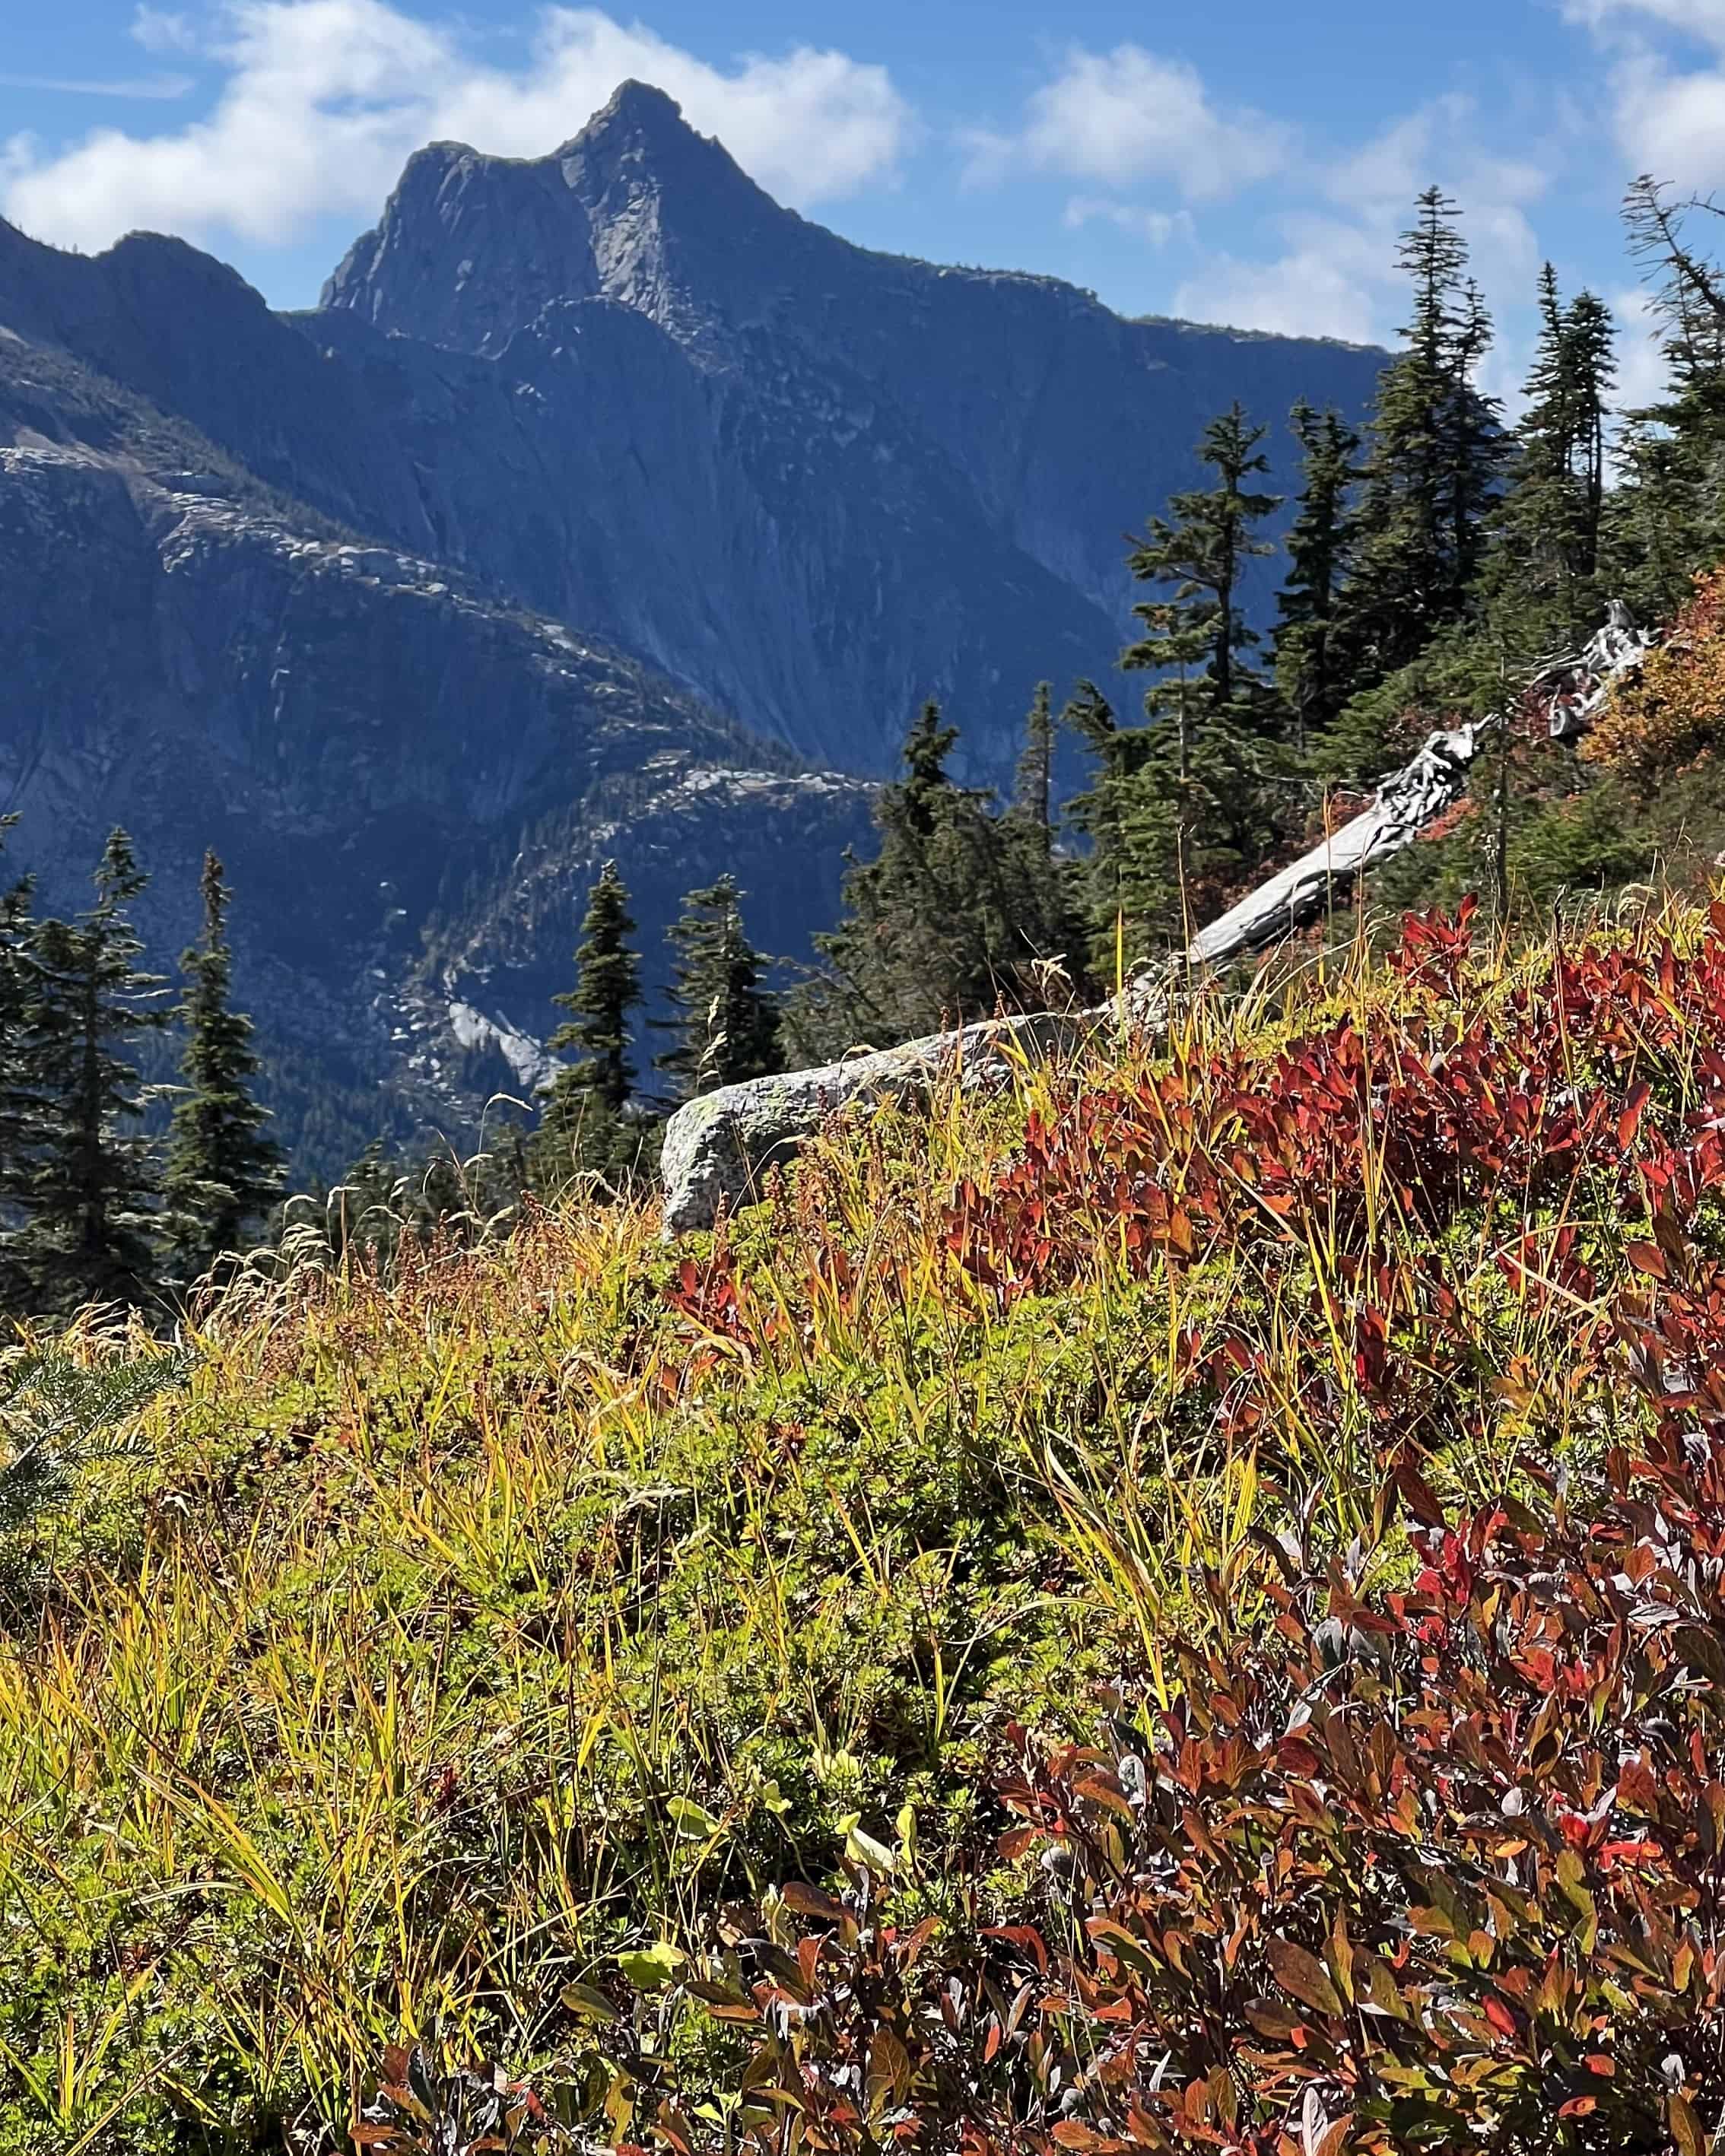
x,y
639,108
641,135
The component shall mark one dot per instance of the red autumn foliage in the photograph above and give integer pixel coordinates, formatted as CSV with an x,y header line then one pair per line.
x,y
1432,1868
1444,1871
1586,1072
1435,1858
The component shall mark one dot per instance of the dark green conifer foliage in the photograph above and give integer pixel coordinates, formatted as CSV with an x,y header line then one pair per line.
x,y
1431,472
20,1104
1196,639
608,987
224,1173
90,1192
1034,795
1190,803
1320,549
1098,814
960,911
1541,589
585,1126
925,793
727,1023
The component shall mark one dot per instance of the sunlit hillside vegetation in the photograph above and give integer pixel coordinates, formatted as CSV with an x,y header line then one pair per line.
x,y
512,1656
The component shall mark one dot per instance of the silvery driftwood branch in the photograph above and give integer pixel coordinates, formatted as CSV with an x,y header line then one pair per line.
x,y
718,1148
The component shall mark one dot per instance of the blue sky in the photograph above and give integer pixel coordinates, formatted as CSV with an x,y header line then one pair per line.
x,y
1249,161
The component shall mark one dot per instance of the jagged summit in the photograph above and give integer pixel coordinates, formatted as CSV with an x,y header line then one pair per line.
x,y
616,391
636,206
637,110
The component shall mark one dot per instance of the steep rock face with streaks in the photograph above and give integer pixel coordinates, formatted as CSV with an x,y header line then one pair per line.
x,y
820,481
603,505
412,783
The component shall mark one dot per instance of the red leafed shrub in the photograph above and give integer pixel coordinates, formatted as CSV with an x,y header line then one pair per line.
x,y
1605,1068
1447,1872
1436,1860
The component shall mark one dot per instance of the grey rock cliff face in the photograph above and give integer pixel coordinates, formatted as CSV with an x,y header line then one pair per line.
x,y
930,470
412,784
603,506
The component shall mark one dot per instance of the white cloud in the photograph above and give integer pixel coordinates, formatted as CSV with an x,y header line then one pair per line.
x,y
1643,374
1667,113
1121,117
1698,19
324,100
1336,275
1304,293
1671,120
158,30
149,87
1156,226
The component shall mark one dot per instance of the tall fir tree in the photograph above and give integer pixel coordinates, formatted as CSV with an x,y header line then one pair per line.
x,y
1541,591
1192,800
1201,549
585,1126
1434,449
89,1191
727,1023
925,792
1320,549
960,911
1098,814
224,1174
1033,796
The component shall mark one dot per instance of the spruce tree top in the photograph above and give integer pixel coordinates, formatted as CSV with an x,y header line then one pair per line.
x,y
608,987
224,1173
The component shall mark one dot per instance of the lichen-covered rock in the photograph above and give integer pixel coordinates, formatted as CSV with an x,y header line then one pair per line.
x,y
718,1148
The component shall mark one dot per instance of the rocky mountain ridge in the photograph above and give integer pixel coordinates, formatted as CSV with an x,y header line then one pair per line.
x,y
925,459
411,783
602,505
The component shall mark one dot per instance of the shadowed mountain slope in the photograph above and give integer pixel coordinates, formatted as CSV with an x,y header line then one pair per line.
x,y
602,505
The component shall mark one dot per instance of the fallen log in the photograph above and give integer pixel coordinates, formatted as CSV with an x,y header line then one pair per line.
x,y
718,1148
1572,690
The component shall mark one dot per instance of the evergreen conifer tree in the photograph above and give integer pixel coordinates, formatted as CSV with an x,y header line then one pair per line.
x,y
1201,549
727,1024
925,792
1434,453
1320,547
1192,799
223,1172
958,911
1098,814
1033,796
21,1105
1541,592
585,1126
90,1187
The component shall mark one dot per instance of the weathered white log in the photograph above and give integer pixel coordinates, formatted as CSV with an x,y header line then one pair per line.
x,y
718,1148
1572,690
1405,803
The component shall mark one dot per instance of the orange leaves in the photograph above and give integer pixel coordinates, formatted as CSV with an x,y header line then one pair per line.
x,y
1669,712
1301,1975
